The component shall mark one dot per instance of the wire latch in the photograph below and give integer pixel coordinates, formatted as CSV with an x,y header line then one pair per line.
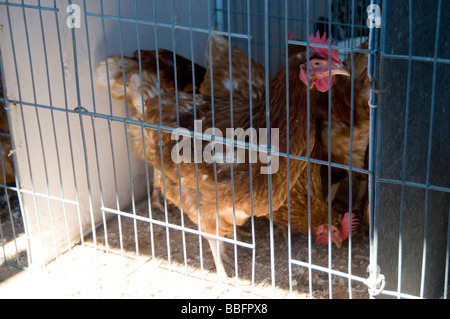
x,y
376,281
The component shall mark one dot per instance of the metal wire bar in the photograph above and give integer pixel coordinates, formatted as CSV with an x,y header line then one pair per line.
x,y
430,143
167,25
39,122
93,127
4,186
288,170
133,204
169,225
330,241
405,143
177,146
23,127
308,103
202,136
158,86
149,196
327,270
374,150
269,177
28,6
63,76
83,138
110,136
250,106
350,180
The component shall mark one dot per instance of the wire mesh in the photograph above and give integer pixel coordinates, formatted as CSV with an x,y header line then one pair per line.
x,y
79,178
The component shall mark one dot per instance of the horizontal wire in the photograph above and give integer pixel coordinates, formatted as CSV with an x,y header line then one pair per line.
x,y
413,184
176,227
169,25
193,134
28,6
328,270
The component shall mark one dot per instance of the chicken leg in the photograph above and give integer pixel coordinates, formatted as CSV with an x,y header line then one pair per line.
x,y
216,248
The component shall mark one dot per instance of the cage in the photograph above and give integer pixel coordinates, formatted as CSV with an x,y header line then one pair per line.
x,y
82,199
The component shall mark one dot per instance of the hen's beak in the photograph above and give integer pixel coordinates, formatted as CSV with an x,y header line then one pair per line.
x,y
338,243
340,68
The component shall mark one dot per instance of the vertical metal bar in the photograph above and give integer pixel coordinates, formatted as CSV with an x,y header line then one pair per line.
x,y
308,103
149,196
219,14
89,188
269,177
430,143
68,125
447,257
133,202
119,218
195,139
158,86
178,125
213,124
93,125
39,128
230,71
54,132
25,133
2,154
330,241
288,168
250,106
372,70
404,156
350,175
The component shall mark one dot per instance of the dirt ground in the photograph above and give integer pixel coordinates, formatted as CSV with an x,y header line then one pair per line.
x,y
136,260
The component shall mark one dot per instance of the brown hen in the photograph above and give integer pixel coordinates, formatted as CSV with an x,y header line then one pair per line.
x,y
341,125
299,192
201,182
149,67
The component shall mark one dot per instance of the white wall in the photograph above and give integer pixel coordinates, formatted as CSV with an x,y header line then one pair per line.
x,y
56,152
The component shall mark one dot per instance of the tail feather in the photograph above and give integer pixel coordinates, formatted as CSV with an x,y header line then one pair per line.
x,y
138,88
110,74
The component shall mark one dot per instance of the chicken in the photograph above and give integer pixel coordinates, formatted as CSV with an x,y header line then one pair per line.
x,y
149,67
299,192
149,64
219,66
6,165
341,125
200,180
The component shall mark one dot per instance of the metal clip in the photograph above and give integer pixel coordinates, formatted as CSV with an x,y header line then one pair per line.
x,y
11,152
376,281
378,91
80,109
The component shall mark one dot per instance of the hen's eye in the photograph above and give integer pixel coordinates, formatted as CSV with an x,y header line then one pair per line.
x,y
317,63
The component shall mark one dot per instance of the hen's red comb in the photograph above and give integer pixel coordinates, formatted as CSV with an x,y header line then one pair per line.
x,y
345,225
324,51
291,35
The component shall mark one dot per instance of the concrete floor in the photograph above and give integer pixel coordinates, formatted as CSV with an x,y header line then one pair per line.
x,y
86,273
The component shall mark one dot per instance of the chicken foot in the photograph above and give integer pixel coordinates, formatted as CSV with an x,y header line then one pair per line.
x,y
217,249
